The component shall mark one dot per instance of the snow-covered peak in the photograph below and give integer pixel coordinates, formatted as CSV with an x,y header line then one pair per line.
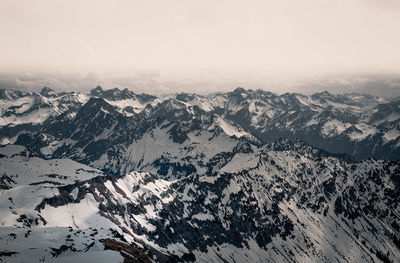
x,y
13,150
355,124
48,92
281,202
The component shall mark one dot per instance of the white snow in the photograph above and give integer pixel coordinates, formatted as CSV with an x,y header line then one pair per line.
x,y
38,116
79,215
334,127
240,162
121,104
313,121
391,135
366,130
228,128
203,217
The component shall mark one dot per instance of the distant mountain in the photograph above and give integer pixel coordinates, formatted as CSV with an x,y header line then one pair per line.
x,y
47,92
242,176
124,100
28,112
119,131
280,202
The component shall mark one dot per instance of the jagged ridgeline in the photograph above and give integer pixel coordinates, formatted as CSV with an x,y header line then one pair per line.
x,y
119,131
243,176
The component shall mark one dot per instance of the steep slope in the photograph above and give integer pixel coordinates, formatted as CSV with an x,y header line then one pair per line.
x,y
74,231
25,233
28,112
286,202
171,139
359,125
126,101
282,202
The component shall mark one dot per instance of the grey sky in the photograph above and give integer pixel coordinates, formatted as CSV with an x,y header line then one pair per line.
x,y
179,39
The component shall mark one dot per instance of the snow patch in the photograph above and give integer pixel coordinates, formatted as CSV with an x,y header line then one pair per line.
x,y
391,135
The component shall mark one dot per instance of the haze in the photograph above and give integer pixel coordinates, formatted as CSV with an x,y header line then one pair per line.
x,y
211,43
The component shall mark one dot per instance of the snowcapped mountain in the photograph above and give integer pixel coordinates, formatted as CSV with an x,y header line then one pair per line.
x,y
125,100
337,123
27,112
27,234
280,202
170,138
242,176
119,131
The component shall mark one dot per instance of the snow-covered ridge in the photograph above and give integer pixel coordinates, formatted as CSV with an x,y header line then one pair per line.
x,y
281,202
200,178
30,107
356,124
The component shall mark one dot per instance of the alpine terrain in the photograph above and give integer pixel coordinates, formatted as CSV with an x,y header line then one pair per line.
x,y
243,176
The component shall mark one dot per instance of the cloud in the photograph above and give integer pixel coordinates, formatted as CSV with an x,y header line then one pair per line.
x,y
201,46
386,4
35,82
178,36
155,83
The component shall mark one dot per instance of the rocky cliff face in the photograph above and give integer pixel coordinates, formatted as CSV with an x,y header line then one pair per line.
x,y
114,130
243,176
281,202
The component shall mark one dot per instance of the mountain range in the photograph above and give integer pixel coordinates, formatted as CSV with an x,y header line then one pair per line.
x,y
242,176
103,127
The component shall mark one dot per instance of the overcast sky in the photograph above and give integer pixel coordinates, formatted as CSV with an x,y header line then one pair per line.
x,y
200,39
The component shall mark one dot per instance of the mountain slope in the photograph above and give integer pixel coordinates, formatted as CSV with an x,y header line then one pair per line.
x,y
282,202
108,129
72,229
171,138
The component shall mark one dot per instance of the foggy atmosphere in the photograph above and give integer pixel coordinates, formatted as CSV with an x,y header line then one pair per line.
x,y
200,131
